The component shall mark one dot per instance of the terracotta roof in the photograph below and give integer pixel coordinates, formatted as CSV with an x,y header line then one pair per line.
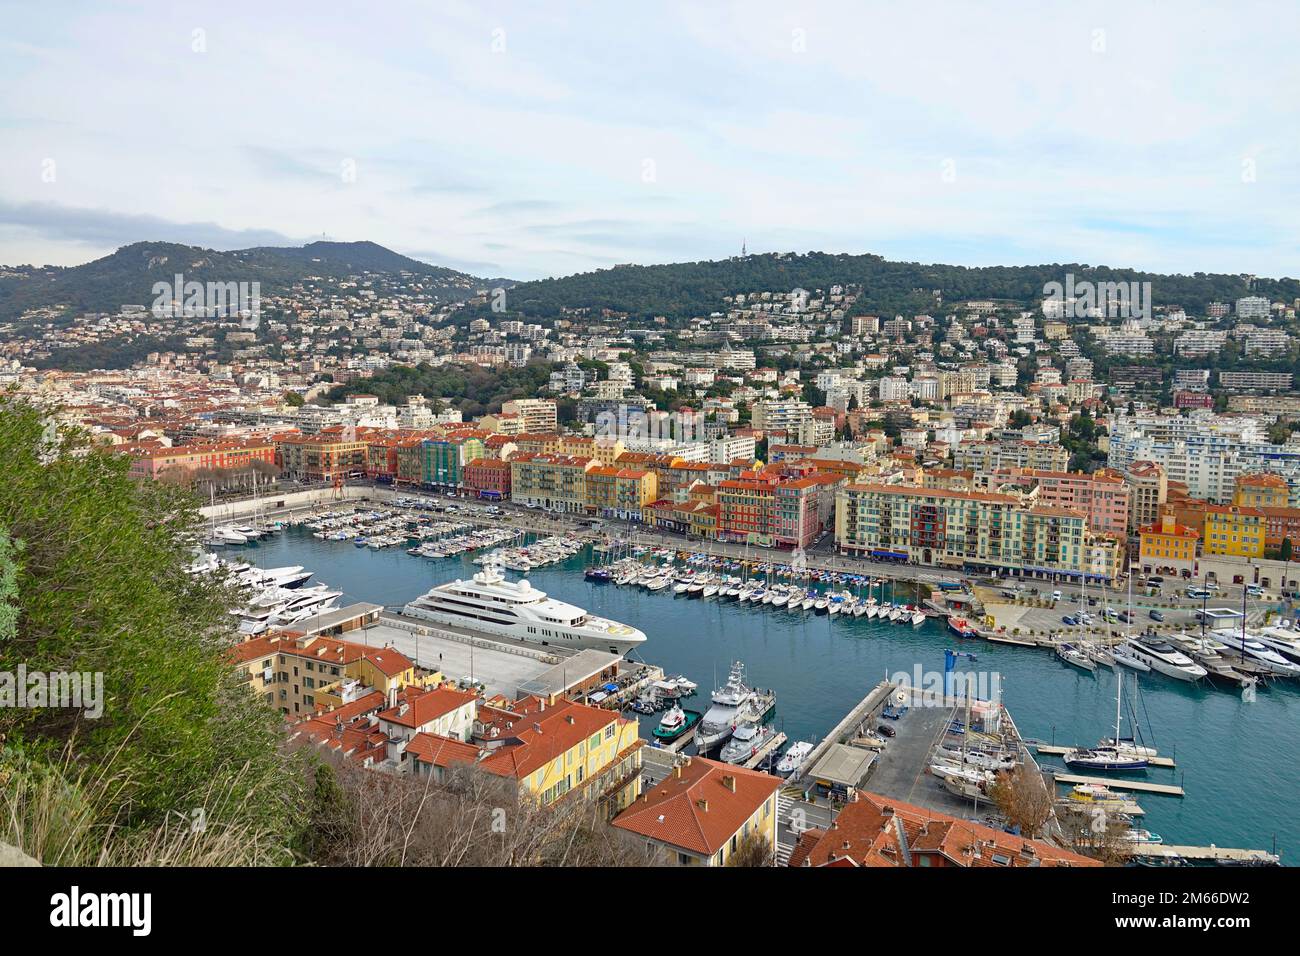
x,y
700,806
423,706
867,833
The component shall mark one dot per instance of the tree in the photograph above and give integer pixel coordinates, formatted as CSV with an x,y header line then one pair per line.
x,y
1284,552
1024,799
754,850
97,573
294,400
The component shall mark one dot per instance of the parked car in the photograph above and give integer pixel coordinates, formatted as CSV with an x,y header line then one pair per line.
x,y
1197,593
886,731
1156,616
1254,590
1069,621
1056,595
1155,579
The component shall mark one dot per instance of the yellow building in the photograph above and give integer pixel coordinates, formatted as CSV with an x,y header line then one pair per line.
x,y
1234,530
1167,547
301,674
555,482
1261,491
620,492
559,751
704,811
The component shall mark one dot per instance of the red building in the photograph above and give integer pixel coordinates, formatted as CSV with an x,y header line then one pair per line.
x,y
488,478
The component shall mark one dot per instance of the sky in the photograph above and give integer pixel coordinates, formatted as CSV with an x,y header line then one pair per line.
x,y
527,140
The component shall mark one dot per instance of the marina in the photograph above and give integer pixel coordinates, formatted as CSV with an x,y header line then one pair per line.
x,y
821,665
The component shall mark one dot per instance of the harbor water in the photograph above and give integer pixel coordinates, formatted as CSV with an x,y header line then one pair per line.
x,y
1238,761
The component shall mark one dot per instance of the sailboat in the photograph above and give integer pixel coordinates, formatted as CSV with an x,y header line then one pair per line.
x,y
1115,757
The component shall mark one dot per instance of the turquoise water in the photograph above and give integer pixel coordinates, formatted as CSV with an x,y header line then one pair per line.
x,y
1234,758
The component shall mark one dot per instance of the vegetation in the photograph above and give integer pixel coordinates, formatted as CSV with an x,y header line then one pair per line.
x,y
473,389
95,584
128,275
682,290
1024,799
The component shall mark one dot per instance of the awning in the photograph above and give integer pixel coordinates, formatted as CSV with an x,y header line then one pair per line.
x,y
890,554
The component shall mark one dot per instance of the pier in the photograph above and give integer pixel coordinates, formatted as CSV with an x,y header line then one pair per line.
x,y
1119,783
1054,751
762,753
1214,854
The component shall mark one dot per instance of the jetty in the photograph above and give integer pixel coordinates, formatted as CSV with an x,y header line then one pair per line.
x,y
1211,853
1119,783
762,753
1054,751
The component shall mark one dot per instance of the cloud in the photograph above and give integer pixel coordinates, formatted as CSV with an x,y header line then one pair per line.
x,y
100,228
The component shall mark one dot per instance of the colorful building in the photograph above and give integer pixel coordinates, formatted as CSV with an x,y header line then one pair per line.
x,y
555,482
623,493
488,478
186,460
322,456
1235,531
1167,547
703,811
975,531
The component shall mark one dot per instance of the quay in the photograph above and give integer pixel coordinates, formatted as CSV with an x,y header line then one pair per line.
x,y
764,751
1118,783
1054,751
1211,853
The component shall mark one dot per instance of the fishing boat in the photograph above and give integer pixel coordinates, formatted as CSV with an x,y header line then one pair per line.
x,y
675,722
793,759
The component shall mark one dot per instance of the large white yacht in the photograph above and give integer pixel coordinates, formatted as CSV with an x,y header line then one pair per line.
x,y
1163,657
492,605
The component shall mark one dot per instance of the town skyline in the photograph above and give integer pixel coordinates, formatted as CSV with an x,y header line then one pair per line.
x,y
500,142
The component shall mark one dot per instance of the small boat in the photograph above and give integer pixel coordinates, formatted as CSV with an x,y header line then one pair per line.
x,y
1132,835
675,722
895,614
598,575
807,603
794,757
918,618
710,590
746,741
1090,795
779,600
961,627
821,605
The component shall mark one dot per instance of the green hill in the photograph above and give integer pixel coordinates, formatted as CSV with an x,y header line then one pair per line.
x,y
127,276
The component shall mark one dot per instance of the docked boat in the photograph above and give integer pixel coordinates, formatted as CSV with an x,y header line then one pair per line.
x,y
1264,657
1090,796
1124,656
961,627
1073,654
746,741
1164,658
598,575
733,703
918,617
488,603
793,759
1136,836
676,721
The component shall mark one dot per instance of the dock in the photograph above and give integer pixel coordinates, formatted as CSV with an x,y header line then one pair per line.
x,y
1216,854
1054,751
764,750
1119,783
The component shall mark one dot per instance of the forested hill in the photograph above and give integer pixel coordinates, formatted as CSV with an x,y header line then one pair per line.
x,y
682,290
127,276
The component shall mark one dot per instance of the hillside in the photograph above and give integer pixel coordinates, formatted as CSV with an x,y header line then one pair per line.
x,y
682,290
127,276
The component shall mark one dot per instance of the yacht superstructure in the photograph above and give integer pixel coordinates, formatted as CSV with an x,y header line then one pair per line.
x,y
490,604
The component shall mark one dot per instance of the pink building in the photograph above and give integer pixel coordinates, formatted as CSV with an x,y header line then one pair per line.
x,y
1103,495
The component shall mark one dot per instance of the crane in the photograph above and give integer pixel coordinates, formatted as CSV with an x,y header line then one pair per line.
x,y
949,666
